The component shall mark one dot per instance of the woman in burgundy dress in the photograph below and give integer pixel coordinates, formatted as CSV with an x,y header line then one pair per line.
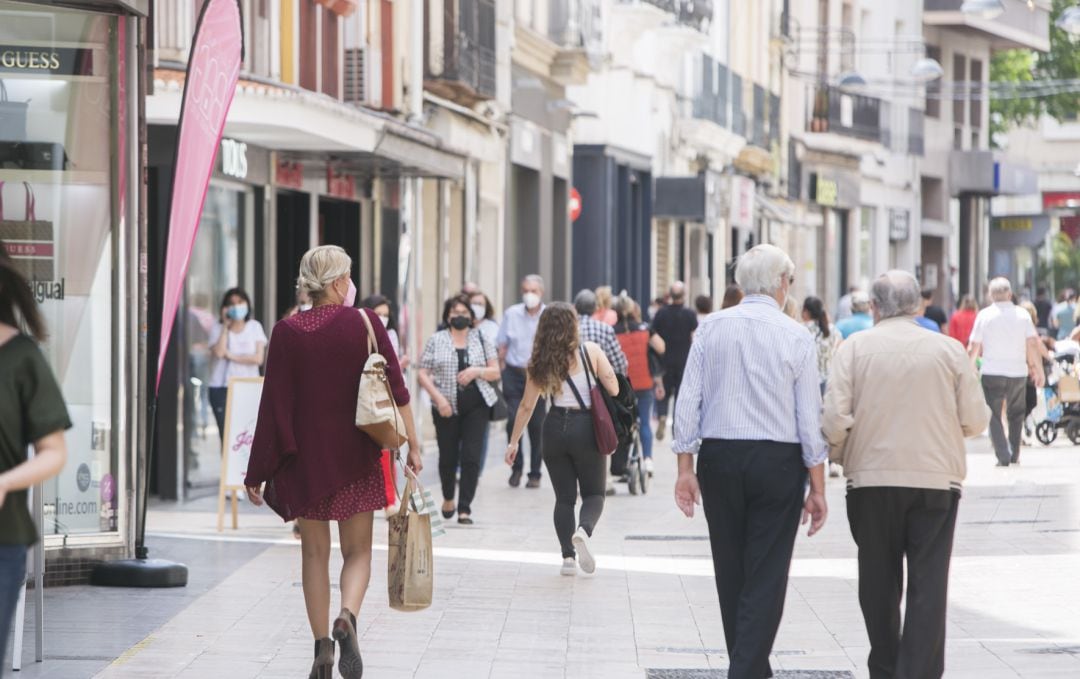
x,y
309,461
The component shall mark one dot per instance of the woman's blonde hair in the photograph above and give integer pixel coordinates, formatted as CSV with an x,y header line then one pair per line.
x,y
603,297
320,267
554,345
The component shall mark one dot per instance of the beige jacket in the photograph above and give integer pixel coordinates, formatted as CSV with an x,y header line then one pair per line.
x,y
899,403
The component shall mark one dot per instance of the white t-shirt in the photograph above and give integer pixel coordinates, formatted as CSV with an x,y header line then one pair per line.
x,y
1003,330
240,344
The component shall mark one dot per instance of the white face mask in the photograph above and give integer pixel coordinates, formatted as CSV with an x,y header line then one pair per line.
x,y
385,320
479,310
531,300
305,306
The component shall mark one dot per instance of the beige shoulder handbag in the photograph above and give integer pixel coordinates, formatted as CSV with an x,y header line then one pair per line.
x,y
377,413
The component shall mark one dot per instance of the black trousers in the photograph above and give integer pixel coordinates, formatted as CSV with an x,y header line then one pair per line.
x,y
889,524
753,493
513,384
574,462
1010,392
219,398
672,381
461,443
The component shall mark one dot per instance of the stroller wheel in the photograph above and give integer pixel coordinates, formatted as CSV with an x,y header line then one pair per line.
x,y
1073,432
634,472
1046,432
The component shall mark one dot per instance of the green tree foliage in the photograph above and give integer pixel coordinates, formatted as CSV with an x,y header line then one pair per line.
x,y
1061,62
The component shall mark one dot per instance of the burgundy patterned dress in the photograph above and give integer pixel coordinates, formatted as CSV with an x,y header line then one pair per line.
x,y
307,450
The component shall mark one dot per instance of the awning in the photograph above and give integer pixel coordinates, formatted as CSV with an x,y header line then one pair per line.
x,y
776,211
987,173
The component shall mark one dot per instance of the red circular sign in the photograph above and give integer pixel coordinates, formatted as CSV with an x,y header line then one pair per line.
x,y
575,204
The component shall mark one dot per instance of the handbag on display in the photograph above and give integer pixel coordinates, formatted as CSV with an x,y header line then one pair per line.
x,y
603,427
28,241
12,117
377,413
499,410
410,566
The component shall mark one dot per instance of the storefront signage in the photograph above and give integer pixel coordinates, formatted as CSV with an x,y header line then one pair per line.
x,y
1061,199
339,184
234,158
824,191
51,60
899,225
575,204
289,174
742,202
1014,224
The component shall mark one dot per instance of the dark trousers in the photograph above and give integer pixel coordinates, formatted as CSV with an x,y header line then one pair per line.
x,y
574,462
219,397
1011,392
12,577
513,383
753,493
672,382
889,524
461,443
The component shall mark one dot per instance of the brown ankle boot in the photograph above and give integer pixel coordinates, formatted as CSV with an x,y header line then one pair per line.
x,y
350,663
323,666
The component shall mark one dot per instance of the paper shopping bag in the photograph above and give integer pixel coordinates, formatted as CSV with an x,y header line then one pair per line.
x,y
423,499
410,576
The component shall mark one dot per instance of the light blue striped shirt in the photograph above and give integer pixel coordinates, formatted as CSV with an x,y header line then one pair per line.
x,y
751,375
516,334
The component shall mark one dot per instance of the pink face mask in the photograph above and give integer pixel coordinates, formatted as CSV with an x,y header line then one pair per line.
x,y
350,296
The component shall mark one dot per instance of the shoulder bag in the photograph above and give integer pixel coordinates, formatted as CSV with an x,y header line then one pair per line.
x,y
377,413
499,410
603,427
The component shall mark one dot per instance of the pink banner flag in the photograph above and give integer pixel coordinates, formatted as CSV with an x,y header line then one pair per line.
x,y
213,69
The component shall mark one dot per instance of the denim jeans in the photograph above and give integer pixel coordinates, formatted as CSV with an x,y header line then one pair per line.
x,y
645,400
12,577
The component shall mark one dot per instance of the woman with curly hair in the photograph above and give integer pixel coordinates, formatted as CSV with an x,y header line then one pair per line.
x,y
569,450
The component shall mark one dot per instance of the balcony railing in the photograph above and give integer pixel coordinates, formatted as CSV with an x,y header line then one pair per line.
x,y
852,115
759,127
696,14
916,120
576,24
464,67
711,97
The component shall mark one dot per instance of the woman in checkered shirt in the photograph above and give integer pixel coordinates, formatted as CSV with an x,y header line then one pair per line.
x,y
457,369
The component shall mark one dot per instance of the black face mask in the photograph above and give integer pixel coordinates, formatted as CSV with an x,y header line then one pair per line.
x,y
460,322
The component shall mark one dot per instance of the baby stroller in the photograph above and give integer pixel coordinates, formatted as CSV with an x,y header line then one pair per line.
x,y
1062,402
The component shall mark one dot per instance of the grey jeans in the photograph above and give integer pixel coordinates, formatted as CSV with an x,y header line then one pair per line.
x,y
1010,391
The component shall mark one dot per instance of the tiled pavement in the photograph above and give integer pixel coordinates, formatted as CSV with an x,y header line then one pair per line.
x,y
502,610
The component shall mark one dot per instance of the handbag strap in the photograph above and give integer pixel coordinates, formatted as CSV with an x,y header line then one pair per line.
x,y
31,203
372,345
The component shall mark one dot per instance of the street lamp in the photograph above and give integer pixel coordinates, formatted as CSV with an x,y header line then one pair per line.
x,y
851,79
1069,21
986,9
926,70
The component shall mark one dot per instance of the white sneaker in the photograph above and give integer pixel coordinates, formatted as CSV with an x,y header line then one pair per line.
x,y
569,567
584,556
649,466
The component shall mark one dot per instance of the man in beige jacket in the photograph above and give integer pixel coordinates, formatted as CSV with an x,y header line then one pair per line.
x,y
899,403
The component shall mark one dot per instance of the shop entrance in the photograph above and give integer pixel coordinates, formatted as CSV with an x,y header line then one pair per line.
x,y
293,240
339,224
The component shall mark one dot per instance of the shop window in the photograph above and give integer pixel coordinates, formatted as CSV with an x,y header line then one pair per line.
x,y
61,169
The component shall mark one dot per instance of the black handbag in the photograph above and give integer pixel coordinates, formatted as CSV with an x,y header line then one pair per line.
x,y
499,410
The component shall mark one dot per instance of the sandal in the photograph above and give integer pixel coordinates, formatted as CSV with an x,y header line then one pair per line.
x,y
464,520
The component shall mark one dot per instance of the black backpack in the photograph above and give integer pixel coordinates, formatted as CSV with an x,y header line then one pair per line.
x,y
623,409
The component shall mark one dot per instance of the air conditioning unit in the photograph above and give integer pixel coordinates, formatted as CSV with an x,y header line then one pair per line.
x,y
357,76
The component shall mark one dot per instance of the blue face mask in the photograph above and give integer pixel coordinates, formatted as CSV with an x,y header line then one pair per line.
x,y
238,312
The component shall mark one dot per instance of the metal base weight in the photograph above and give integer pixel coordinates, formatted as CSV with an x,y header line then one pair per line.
x,y
139,573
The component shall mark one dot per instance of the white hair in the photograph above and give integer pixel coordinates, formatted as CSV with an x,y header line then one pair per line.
x,y
761,269
320,267
1000,289
536,279
896,293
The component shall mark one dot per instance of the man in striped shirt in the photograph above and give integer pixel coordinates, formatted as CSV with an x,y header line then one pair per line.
x,y
750,407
